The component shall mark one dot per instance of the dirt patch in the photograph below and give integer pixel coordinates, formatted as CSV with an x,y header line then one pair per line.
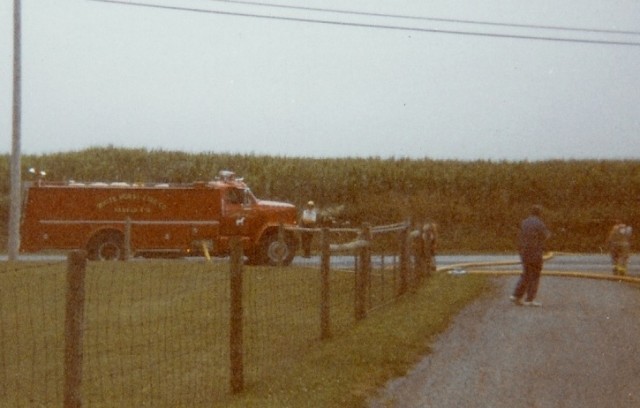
x,y
581,349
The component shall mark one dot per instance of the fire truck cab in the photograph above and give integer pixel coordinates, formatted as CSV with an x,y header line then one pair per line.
x,y
107,219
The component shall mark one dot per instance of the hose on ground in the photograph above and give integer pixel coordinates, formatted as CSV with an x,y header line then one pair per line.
x,y
565,274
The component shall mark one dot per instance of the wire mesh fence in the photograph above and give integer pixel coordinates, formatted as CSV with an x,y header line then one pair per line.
x,y
154,334
157,332
32,324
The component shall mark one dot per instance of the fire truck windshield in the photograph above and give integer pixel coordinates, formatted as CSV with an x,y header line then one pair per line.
x,y
249,198
240,196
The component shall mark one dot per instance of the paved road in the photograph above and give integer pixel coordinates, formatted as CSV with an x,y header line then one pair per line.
x,y
559,262
581,349
581,262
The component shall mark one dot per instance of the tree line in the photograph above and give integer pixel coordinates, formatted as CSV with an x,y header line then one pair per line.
x,y
477,205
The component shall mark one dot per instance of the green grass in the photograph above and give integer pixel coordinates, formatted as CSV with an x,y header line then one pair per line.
x,y
348,369
157,335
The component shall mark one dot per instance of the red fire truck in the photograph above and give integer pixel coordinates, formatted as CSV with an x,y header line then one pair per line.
x,y
111,219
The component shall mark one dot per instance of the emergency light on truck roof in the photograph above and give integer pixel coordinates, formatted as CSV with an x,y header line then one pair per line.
x,y
228,175
35,172
224,176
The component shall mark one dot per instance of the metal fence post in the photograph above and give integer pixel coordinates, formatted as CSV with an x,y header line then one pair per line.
x,y
74,328
235,317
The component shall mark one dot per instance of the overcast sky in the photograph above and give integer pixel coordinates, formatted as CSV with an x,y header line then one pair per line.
x,y
98,74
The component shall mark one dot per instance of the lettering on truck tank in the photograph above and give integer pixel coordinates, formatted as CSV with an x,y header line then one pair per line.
x,y
131,203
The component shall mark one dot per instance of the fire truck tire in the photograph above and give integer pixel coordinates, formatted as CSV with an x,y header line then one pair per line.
x,y
273,252
106,246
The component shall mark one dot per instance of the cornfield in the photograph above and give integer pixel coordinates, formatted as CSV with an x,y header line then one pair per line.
x,y
477,205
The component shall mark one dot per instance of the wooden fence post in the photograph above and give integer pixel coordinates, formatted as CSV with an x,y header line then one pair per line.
x,y
363,274
235,317
127,239
74,328
325,291
423,253
417,248
281,243
404,261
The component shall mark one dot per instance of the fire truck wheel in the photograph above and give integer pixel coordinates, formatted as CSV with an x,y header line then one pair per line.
x,y
106,247
275,252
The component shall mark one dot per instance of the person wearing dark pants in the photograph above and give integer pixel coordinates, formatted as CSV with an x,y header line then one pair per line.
x,y
533,234
528,284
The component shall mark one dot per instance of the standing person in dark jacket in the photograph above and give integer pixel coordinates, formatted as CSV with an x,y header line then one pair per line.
x,y
533,234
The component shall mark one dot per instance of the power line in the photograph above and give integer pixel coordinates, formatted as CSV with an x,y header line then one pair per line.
x,y
376,26
423,18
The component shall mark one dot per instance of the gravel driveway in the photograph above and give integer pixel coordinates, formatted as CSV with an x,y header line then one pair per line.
x,y
580,349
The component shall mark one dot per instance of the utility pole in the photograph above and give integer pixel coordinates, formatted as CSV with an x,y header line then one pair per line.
x,y
16,176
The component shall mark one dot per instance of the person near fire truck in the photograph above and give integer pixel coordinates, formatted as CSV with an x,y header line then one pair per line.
x,y
531,241
618,242
309,220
